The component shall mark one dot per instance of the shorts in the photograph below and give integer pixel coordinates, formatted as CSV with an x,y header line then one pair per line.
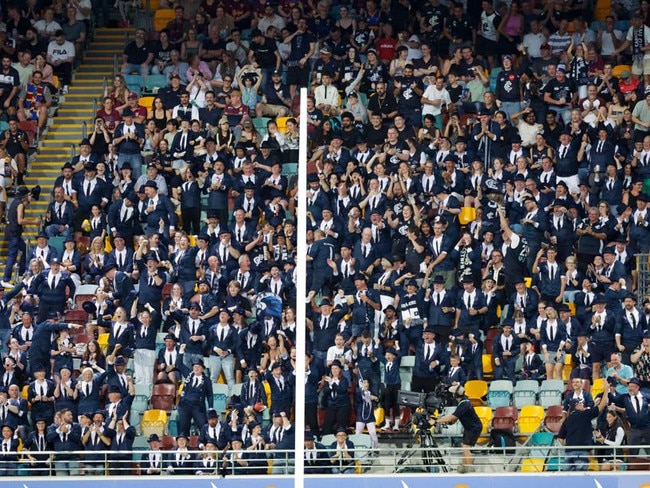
x,y
553,358
641,67
601,352
485,47
470,437
298,76
269,110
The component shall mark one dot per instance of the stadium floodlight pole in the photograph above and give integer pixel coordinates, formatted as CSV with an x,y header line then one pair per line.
x,y
301,293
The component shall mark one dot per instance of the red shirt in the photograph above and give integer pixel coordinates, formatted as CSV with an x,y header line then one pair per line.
x,y
386,49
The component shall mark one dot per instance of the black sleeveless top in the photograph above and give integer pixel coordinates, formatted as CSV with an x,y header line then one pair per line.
x,y
13,229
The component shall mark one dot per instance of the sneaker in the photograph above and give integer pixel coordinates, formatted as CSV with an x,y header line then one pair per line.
x,y
65,89
396,428
6,284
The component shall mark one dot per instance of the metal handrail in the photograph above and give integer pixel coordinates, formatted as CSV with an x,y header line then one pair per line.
x,y
365,460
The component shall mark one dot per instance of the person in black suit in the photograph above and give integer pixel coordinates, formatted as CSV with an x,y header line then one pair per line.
x,y
197,392
152,462
429,359
215,431
217,187
252,391
532,367
561,231
168,362
88,191
151,283
179,461
8,452
191,190
316,456
282,388
249,346
159,212
59,217
123,294
505,352
122,435
36,443
121,254
630,328
50,287
439,305
123,218
65,437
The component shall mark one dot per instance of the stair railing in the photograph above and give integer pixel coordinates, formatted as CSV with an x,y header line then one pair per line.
x,y
84,129
73,151
115,63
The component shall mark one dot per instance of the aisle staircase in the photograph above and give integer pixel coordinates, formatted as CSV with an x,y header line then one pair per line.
x,y
66,129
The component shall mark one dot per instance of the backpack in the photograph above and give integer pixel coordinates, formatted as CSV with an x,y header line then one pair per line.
x,y
501,440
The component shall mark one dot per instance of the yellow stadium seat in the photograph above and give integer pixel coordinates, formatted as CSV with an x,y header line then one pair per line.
x,y
466,215
532,465
147,102
108,247
572,308
55,82
192,240
488,369
267,390
25,392
102,340
602,9
154,422
528,281
598,387
530,418
476,390
379,415
619,68
485,414
281,122
161,18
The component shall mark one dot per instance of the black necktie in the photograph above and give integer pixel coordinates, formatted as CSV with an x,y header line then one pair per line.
x,y
638,404
633,320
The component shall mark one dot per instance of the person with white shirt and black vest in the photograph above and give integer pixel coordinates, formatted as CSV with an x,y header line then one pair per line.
x,y
635,405
128,138
152,462
505,352
197,393
602,325
180,461
51,287
35,444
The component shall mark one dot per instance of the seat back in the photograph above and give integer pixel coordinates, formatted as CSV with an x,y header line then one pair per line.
x,y
532,465
476,391
554,418
153,83
550,392
525,393
485,414
499,393
530,418
505,418
162,17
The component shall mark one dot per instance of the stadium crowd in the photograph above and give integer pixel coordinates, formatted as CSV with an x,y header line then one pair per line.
x,y
477,181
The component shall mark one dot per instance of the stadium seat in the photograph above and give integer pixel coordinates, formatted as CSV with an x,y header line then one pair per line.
x,y
140,403
282,123
407,362
499,393
553,418
163,397
162,17
489,338
167,443
290,169
550,392
134,83
102,340
476,390
153,422
494,74
467,215
147,102
260,123
236,389
598,387
488,366
220,396
57,243
532,465
530,419
525,393
505,418
485,414
153,83
144,390
75,317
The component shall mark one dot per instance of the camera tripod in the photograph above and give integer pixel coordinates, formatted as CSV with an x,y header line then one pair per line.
x,y
429,450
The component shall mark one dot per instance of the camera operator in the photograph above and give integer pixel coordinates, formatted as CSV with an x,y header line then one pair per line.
x,y
472,426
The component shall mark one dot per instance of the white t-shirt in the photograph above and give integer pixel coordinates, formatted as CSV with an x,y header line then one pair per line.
x,y
432,93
